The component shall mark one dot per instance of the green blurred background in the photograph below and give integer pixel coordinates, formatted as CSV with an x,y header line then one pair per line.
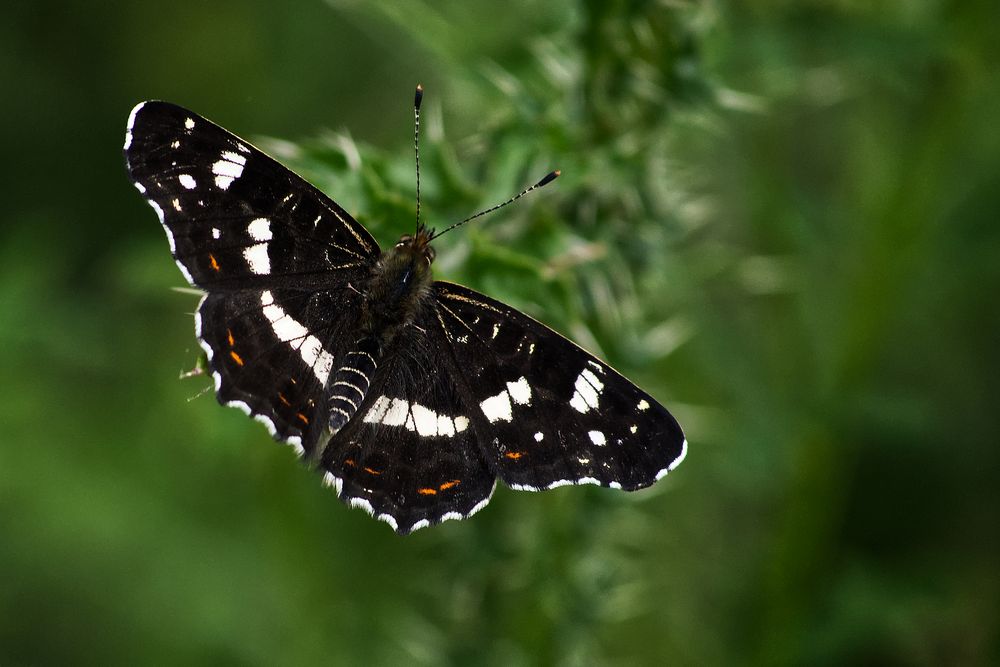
x,y
781,218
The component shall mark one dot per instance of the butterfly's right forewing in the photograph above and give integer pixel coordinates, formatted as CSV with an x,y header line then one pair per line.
x,y
550,413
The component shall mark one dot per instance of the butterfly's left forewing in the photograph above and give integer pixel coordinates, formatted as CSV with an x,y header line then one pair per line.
x,y
236,218
548,412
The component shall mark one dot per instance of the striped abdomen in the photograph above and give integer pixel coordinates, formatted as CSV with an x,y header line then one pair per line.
x,y
350,382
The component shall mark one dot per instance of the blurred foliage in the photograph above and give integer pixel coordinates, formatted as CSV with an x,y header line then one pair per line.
x,y
781,218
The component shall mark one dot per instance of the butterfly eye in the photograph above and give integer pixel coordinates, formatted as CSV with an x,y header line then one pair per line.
x,y
403,240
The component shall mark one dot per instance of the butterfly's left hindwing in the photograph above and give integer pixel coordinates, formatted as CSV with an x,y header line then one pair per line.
x,y
548,412
272,353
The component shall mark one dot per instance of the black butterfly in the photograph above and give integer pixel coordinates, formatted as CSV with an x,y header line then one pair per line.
x,y
411,395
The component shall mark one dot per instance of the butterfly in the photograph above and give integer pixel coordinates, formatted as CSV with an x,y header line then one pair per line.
x,y
411,396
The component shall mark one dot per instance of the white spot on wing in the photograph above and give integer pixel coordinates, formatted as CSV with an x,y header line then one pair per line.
x,y
497,408
520,391
588,388
523,487
258,259
288,330
228,169
260,229
216,233
445,425
184,272
187,180
131,123
414,417
684,452
397,413
425,420
312,352
176,204
676,462
589,376
363,504
189,123
597,437
643,405
159,214
539,436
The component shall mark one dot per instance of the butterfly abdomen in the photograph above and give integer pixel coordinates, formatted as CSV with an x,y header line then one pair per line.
x,y
400,283
349,384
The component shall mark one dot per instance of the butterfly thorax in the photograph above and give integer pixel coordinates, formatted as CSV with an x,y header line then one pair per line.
x,y
400,282
399,285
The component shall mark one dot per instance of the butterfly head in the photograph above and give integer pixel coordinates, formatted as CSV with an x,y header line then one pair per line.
x,y
418,245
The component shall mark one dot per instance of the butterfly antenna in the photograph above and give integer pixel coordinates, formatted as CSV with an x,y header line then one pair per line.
x,y
548,178
417,97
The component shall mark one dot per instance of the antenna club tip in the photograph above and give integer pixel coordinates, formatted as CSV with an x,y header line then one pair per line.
x,y
418,96
549,177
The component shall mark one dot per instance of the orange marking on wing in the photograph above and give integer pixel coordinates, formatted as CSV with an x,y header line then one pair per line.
x,y
349,462
236,357
372,472
232,341
305,420
427,492
281,397
215,264
448,485
514,455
